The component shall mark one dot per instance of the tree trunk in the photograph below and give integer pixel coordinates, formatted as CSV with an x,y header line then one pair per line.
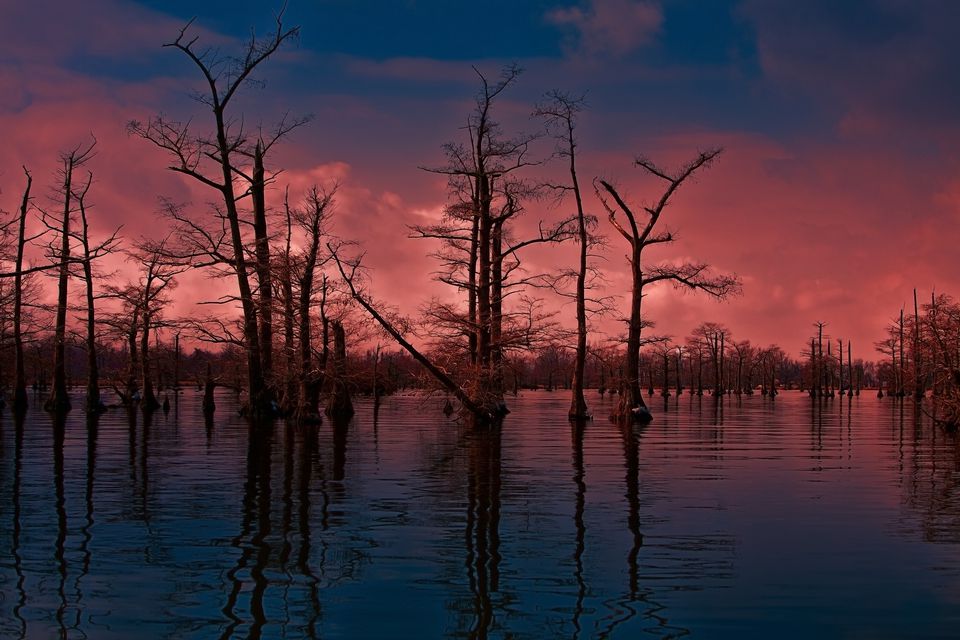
x,y
679,373
631,400
134,369
149,399
900,376
264,278
919,384
578,404
59,400
260,400
289,347
339,405
483,283
307,399
209,405
94,405
472,288
496,310
176,362
665,391
20,375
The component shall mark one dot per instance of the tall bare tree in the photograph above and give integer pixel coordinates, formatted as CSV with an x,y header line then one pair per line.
x,y
561,111
59,400
479,252
216,161
90,254
312,218
641,233
20,374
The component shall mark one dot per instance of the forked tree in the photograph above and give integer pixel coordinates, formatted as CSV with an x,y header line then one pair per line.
x,y
641,230
218,160
59,399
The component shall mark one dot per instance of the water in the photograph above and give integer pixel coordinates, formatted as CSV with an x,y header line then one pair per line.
x,y
748,519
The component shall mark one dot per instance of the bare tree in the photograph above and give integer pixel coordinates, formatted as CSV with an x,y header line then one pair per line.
x,y
90,254
59,400
312,219
478,251
639,235
158,277
215,161
560,111
348,273
20,375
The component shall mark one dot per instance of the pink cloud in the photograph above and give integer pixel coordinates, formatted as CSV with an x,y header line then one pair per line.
x,y
613,27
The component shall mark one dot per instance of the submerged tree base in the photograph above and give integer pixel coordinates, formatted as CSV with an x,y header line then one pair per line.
x,y
638,414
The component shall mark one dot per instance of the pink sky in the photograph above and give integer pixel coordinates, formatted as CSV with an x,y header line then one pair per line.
x,y
837,219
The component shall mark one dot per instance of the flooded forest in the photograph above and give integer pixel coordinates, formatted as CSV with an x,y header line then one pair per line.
x,y
521,449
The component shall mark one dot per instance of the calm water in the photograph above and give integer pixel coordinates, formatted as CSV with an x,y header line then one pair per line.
x,y
752,519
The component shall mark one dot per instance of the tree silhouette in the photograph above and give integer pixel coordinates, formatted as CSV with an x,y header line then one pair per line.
x,y
640,234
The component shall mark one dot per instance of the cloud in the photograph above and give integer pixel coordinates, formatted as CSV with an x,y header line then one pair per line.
x,y
879,67
609,27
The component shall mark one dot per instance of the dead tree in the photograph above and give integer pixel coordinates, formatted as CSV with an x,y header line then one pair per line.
x,y
258,185
214,160
91,253
59,400
477,251
560,111
639,235
158,277
209,404
919,384
312,219
339,405
483,413
20,374
124,325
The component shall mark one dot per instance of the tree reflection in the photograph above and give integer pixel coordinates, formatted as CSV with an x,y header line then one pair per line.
x,y
60,555
631,457
483,525
932,476
626,607
18,422
93,428
279,540
577,432
255,520
308,454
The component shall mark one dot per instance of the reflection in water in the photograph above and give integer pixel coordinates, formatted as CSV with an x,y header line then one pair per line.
x,y
17,528
279,566
482,533
308,452
86,534
735,515
577,433
254,528
623,608
60,554
934,478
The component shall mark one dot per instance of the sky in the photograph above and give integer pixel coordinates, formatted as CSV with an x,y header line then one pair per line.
x,y
837,193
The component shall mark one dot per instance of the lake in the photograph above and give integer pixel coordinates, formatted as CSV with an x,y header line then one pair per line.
x,y
747,518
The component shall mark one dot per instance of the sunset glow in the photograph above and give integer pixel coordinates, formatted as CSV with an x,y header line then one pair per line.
x,y
838,178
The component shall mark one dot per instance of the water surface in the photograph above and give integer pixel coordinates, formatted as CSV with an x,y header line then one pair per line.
x,y
746,518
